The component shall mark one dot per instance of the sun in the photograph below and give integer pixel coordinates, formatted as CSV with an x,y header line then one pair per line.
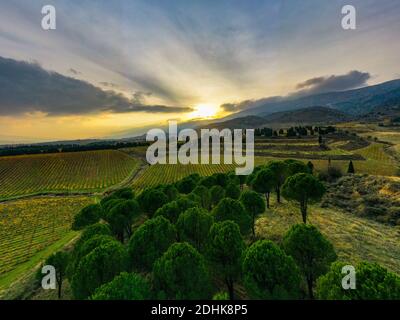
x,y
204,110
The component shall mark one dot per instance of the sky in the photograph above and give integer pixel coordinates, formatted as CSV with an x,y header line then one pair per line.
x,y
113,66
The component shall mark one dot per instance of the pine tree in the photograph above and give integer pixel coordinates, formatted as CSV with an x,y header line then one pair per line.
x,y
351,168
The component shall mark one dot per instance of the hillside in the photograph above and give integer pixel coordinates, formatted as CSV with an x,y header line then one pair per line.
x,y
355,102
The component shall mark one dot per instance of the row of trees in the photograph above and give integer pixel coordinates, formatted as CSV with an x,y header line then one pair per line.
x,y
293,131
197,230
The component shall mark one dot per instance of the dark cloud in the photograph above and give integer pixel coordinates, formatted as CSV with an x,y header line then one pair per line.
x,y
108,84
353,79
247,104
27,87
74,71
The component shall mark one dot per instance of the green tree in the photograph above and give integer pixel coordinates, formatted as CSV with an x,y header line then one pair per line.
x,y
303,188
230,209
217,194
373,282
279,171
254,205
350,169
87,216
125,193
295,166
121,217
310,167
264,183
205,196
152,199
232,191
170,211
221,296
181,274
208,181
150,241
221,179
99,266
224,250
126,286
170,191
59,261
311,251
269,273
193,226
187,184
83,247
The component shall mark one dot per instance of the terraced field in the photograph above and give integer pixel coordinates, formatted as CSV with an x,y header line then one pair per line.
x,y
63,172
29,226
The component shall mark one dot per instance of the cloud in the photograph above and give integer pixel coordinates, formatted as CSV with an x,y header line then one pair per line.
x,y
108,84
27,88
247,104
351,80
74,71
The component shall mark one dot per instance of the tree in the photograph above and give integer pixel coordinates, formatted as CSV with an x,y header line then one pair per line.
x,y
170,211
126,286
373,282
59,261
150,241
84,247
232,191
311,251
93,230
310,167
305,189
125,193
193,226
264,183
170,191
254,205
350,169
295,166
187,184
230,209
221,296
279,172
221,179
205,196
87,216
217,194
181,274
269,273
99,266
121,217
152,199
224,250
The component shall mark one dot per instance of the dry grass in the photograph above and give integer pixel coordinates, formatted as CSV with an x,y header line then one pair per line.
x,y
354,238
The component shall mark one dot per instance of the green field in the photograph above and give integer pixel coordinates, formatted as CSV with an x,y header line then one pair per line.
x,y
29,226
63,172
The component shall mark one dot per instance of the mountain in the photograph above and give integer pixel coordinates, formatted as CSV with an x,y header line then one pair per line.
x,y
353,102
308,116
311,115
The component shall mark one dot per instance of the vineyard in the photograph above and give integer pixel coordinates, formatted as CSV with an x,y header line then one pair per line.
x,y
64,172
162,174
30,225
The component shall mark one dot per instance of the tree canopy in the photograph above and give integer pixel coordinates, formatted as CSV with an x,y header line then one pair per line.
x,y
181,274
311,251
150,241
269,273
305,189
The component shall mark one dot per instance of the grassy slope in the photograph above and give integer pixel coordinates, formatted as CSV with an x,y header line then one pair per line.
x,y
354,238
